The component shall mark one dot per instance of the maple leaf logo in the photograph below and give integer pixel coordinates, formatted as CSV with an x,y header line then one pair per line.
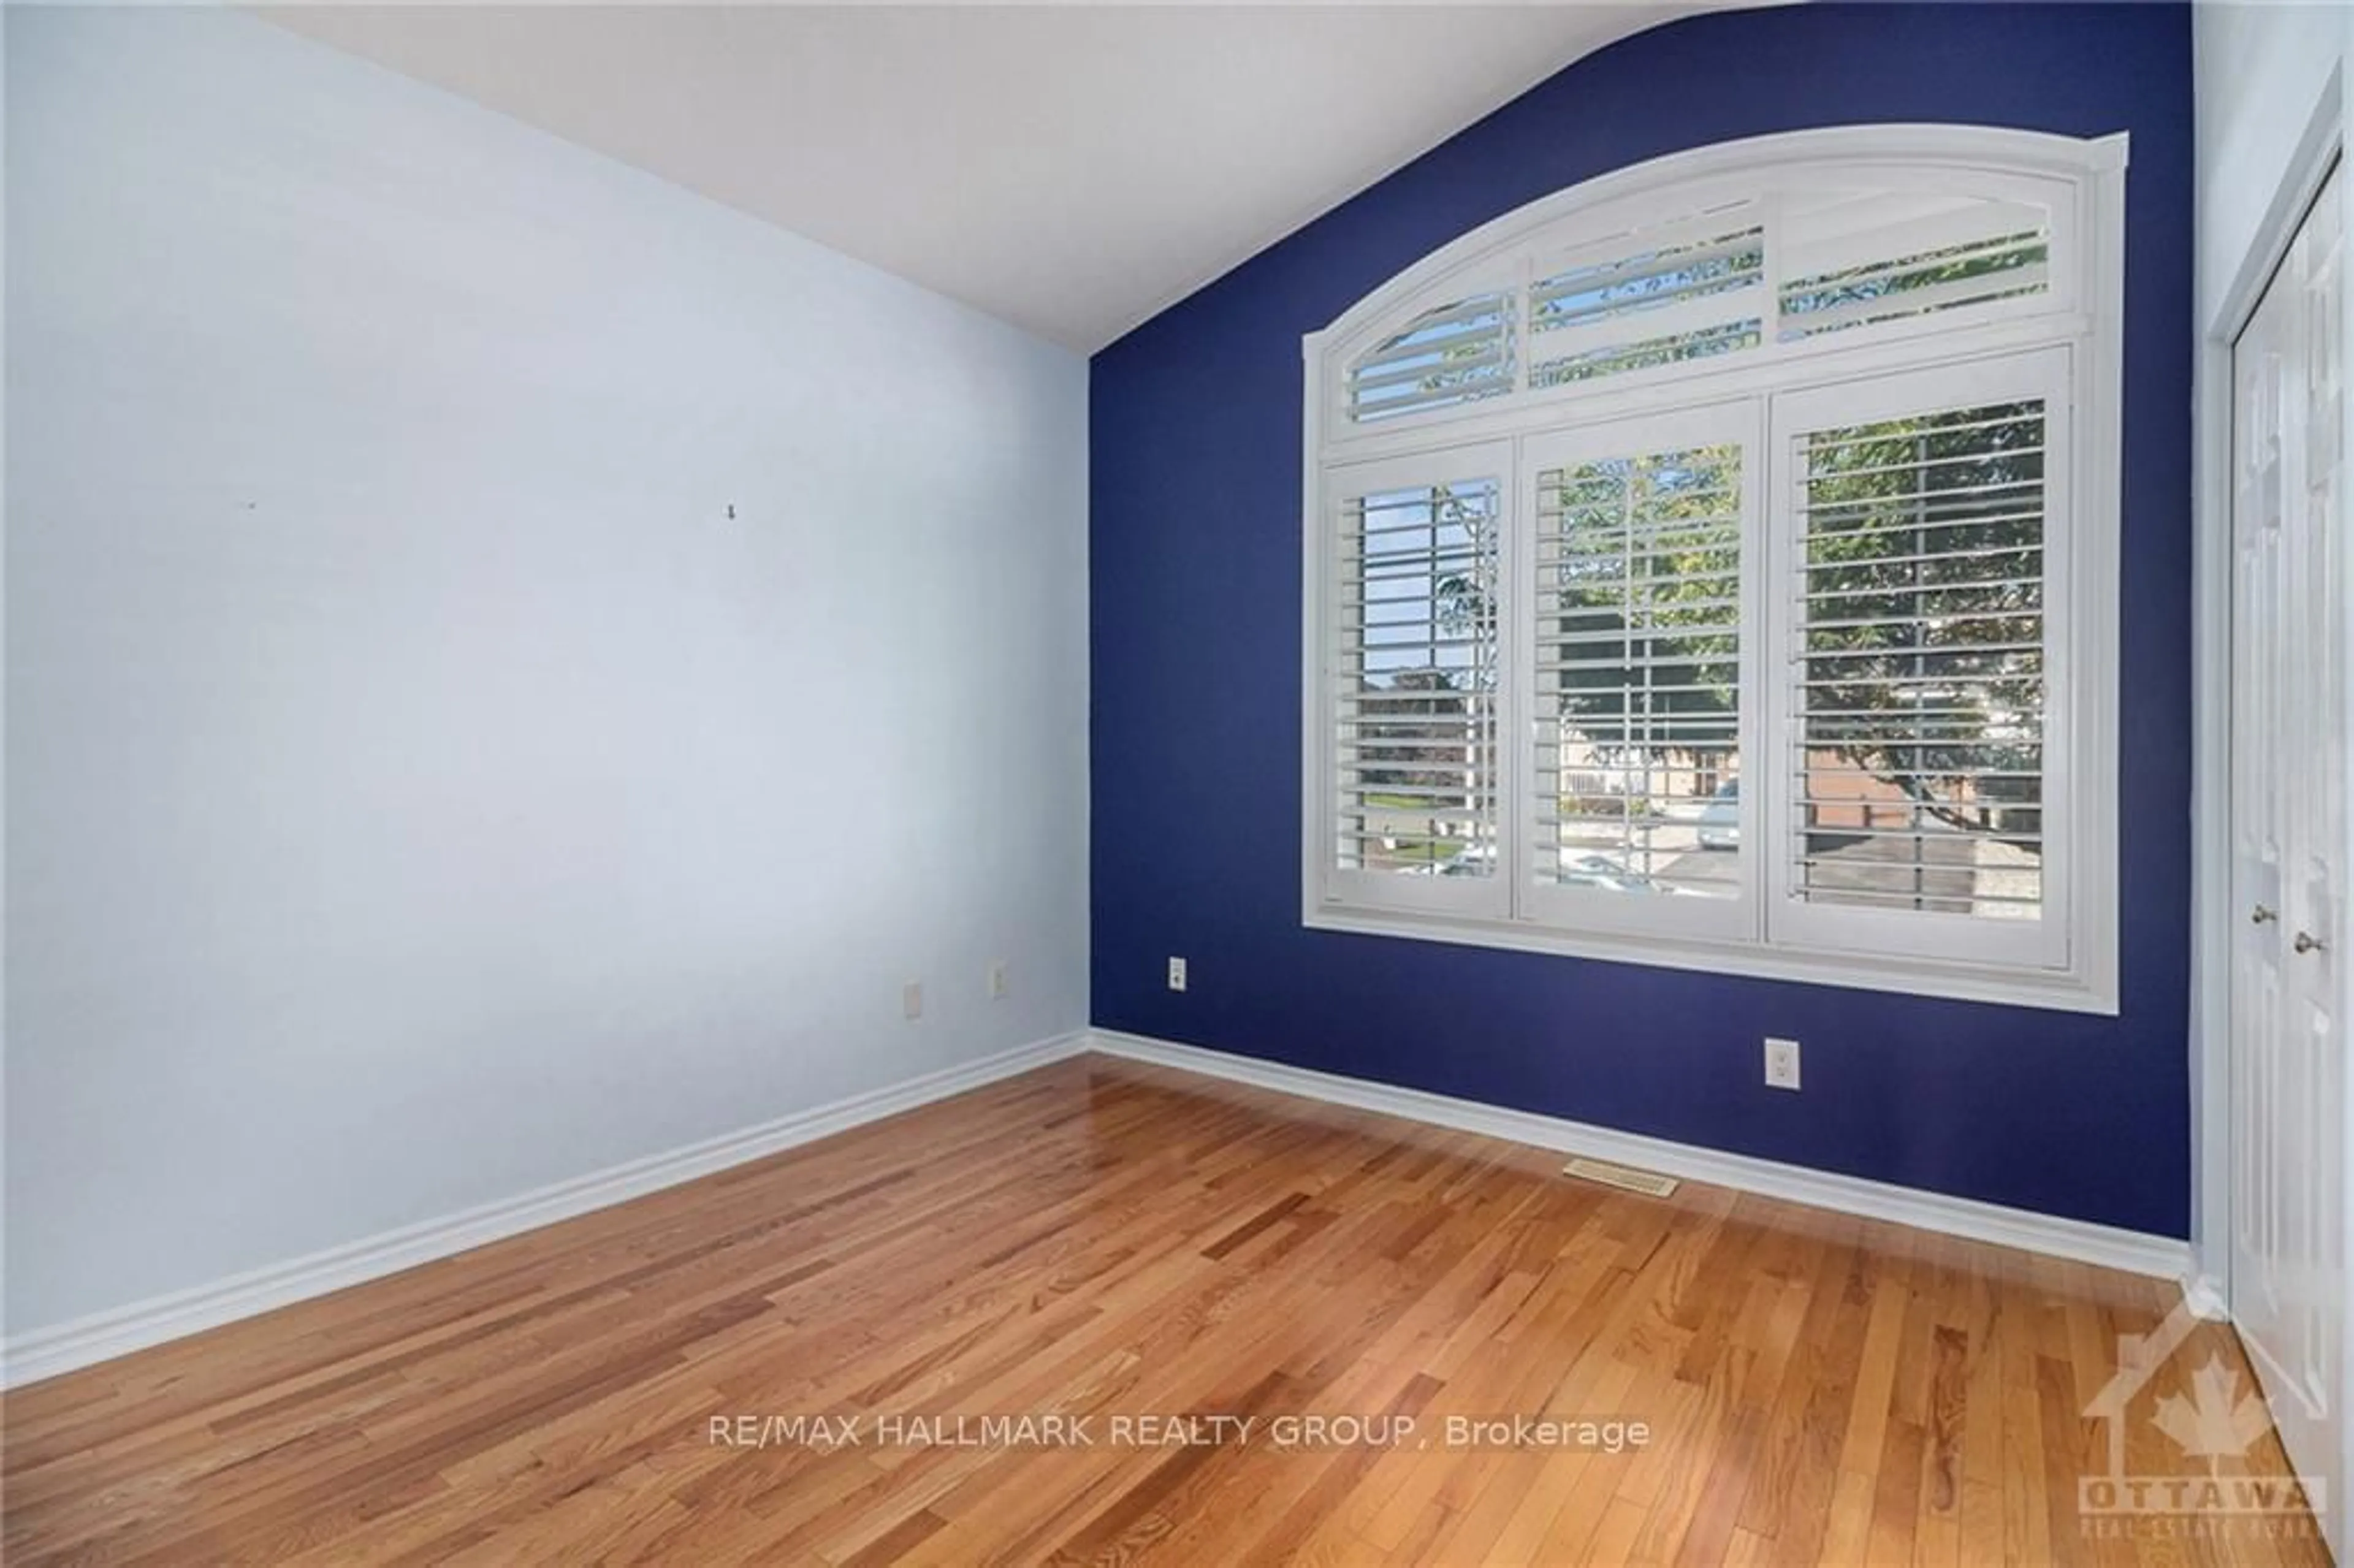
x,y
2217,1421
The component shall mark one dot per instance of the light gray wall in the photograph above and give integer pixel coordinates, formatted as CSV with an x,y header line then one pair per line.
x,y
420,791
2261,69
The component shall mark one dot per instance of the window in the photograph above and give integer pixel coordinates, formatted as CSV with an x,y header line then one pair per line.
x,y
1715,567
1415,720
1641,541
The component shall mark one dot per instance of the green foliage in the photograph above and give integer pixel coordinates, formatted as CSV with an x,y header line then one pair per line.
x,y
1647,575
1924,563
1923,666
1998,264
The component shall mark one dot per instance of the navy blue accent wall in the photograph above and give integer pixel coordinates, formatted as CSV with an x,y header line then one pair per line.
x,y
1195,485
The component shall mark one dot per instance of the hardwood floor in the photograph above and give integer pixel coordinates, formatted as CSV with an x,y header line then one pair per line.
x,y
1106,1241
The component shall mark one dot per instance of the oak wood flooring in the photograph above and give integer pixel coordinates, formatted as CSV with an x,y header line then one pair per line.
x,y
1101,1242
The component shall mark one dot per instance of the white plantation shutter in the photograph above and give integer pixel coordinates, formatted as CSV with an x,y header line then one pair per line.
x,y
1414,679
1641,533
1926,527
1692,292
1792,270
1853,259
1456,352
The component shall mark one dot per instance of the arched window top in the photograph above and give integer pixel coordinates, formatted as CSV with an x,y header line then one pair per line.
x,y
1742,253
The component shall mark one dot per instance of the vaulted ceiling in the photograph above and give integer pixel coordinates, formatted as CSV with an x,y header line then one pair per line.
x,y
1069,168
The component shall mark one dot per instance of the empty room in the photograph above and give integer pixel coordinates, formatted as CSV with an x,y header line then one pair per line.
x,y
1184,784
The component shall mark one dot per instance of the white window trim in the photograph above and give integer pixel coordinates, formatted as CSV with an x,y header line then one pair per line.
x,y
2082,312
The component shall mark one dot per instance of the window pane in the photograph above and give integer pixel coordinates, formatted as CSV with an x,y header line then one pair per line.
x,y
1853,257
1416,721
1661,303
1918,767
1636,664
1458,352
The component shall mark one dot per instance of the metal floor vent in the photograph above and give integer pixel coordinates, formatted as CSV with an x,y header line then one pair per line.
x,y
1650,1183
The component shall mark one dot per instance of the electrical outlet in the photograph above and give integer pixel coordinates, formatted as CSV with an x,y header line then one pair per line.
x,y
911,998
1781,1063
998,984
1176,974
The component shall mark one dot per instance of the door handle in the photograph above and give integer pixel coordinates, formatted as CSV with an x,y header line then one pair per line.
x,y
2305,943
2260,915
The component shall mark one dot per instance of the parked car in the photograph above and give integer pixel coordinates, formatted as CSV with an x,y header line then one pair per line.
x,y
1585,871
1720,819
1475,860
1595,870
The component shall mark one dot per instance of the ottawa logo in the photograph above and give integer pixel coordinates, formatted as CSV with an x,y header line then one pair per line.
x,y
2220,1417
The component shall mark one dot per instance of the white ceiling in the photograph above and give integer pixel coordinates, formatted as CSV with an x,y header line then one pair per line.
x,y
1070,168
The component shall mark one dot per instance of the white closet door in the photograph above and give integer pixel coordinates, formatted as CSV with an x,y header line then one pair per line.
x,y
2289,737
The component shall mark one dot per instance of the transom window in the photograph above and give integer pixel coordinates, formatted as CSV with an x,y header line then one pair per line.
x,y
1715,566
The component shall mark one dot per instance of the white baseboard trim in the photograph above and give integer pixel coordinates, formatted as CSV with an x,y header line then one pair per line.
x,y
102,1336
2204,1295
2132,1251
99,1337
